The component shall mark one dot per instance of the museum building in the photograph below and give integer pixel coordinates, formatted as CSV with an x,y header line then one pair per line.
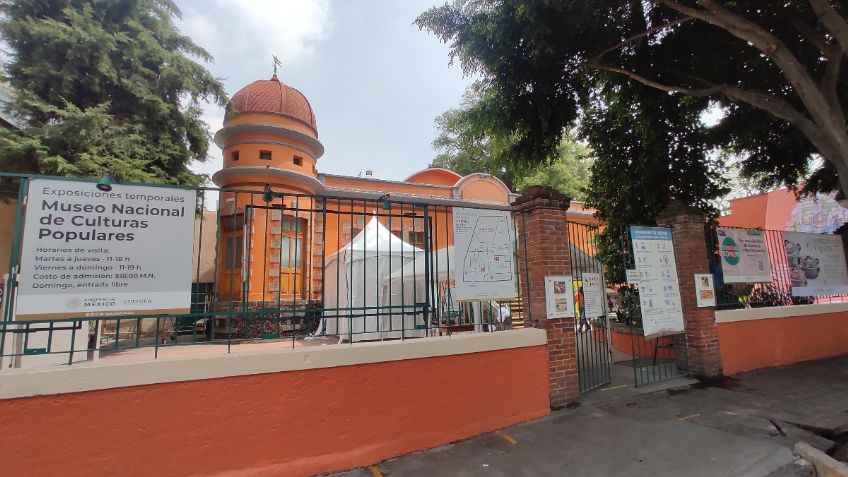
x,y
275,242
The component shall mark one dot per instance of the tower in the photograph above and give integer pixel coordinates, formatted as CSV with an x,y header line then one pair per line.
x,y
270,146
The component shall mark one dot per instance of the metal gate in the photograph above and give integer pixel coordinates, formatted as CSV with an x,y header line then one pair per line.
x,y
592,333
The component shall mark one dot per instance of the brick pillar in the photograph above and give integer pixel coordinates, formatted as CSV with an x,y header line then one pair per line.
x,y
543,251
690,251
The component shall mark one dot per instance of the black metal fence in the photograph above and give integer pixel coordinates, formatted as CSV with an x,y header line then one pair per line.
x,y
271,266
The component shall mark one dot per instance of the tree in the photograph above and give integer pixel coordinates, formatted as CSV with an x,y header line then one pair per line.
x,y
650,150
105,87
465,144
650,147
774,67
568,172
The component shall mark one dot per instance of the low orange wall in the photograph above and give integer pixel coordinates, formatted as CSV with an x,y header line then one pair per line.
x,y
281,424
754,344
625,342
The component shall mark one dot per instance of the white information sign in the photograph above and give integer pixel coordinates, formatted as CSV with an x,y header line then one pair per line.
x,y
88,252
659,290
484,247
816,264
744,255
632,276
593,295
559,296
704,290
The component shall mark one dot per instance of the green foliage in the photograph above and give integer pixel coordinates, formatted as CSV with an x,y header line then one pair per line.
x,y
466,144
463,144
629,309
649,146
568,172
650,149
105,87
545,60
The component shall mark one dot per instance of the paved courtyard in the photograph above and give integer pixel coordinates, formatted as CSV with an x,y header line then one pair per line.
x,y
741,426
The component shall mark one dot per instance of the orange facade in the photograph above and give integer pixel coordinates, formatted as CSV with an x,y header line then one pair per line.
x,y
292,423
272,247
755,344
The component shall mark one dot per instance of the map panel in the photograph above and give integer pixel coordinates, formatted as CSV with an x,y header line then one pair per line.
x,y
484,246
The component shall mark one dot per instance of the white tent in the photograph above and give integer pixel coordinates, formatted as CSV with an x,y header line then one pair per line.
x,y
355,300
408,284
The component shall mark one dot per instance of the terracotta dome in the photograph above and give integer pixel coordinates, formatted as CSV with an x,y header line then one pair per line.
x,y
273,97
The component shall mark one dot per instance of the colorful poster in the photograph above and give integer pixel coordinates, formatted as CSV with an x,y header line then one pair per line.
x,y
593,295
485,244
744,255
559,296
704,290
816,264
88,252
659,290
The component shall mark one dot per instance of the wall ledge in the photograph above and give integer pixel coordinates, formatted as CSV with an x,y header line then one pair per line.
x,y
20,383
747,314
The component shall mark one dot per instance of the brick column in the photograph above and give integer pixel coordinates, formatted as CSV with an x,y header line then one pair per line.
x,y
690,251
543,251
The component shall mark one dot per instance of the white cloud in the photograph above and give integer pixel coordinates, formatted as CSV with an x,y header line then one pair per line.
x,y
257,29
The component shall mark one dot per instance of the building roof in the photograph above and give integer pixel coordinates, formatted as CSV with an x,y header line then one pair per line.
x,y
272,96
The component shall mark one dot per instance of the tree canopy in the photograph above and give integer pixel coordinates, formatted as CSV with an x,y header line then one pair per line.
x,y
105,87
465,144
774,68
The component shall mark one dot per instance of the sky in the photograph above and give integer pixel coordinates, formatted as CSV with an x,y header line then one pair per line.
x,y
374,80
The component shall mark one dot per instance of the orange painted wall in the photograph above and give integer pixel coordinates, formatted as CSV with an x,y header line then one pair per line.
x,y
435,176
627,343
754,344
282,424
484,189
357,183
769,211
748,212
275,119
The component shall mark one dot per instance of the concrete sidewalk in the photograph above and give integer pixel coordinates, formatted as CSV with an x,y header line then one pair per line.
x,y
741,426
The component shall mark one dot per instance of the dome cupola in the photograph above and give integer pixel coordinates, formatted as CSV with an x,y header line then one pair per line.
x,y
272,97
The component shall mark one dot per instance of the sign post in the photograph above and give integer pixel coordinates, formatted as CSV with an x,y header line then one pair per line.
x,y
88,252
659,290
484,249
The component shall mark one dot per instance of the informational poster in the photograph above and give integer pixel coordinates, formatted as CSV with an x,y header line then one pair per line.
x,y
816,264
593,294
559,296
88,252
659,289
632,276
744,255
704,290
484,249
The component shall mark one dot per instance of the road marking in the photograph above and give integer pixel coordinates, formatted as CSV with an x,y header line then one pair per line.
x,y
375,471
506,437
614,387
689,417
